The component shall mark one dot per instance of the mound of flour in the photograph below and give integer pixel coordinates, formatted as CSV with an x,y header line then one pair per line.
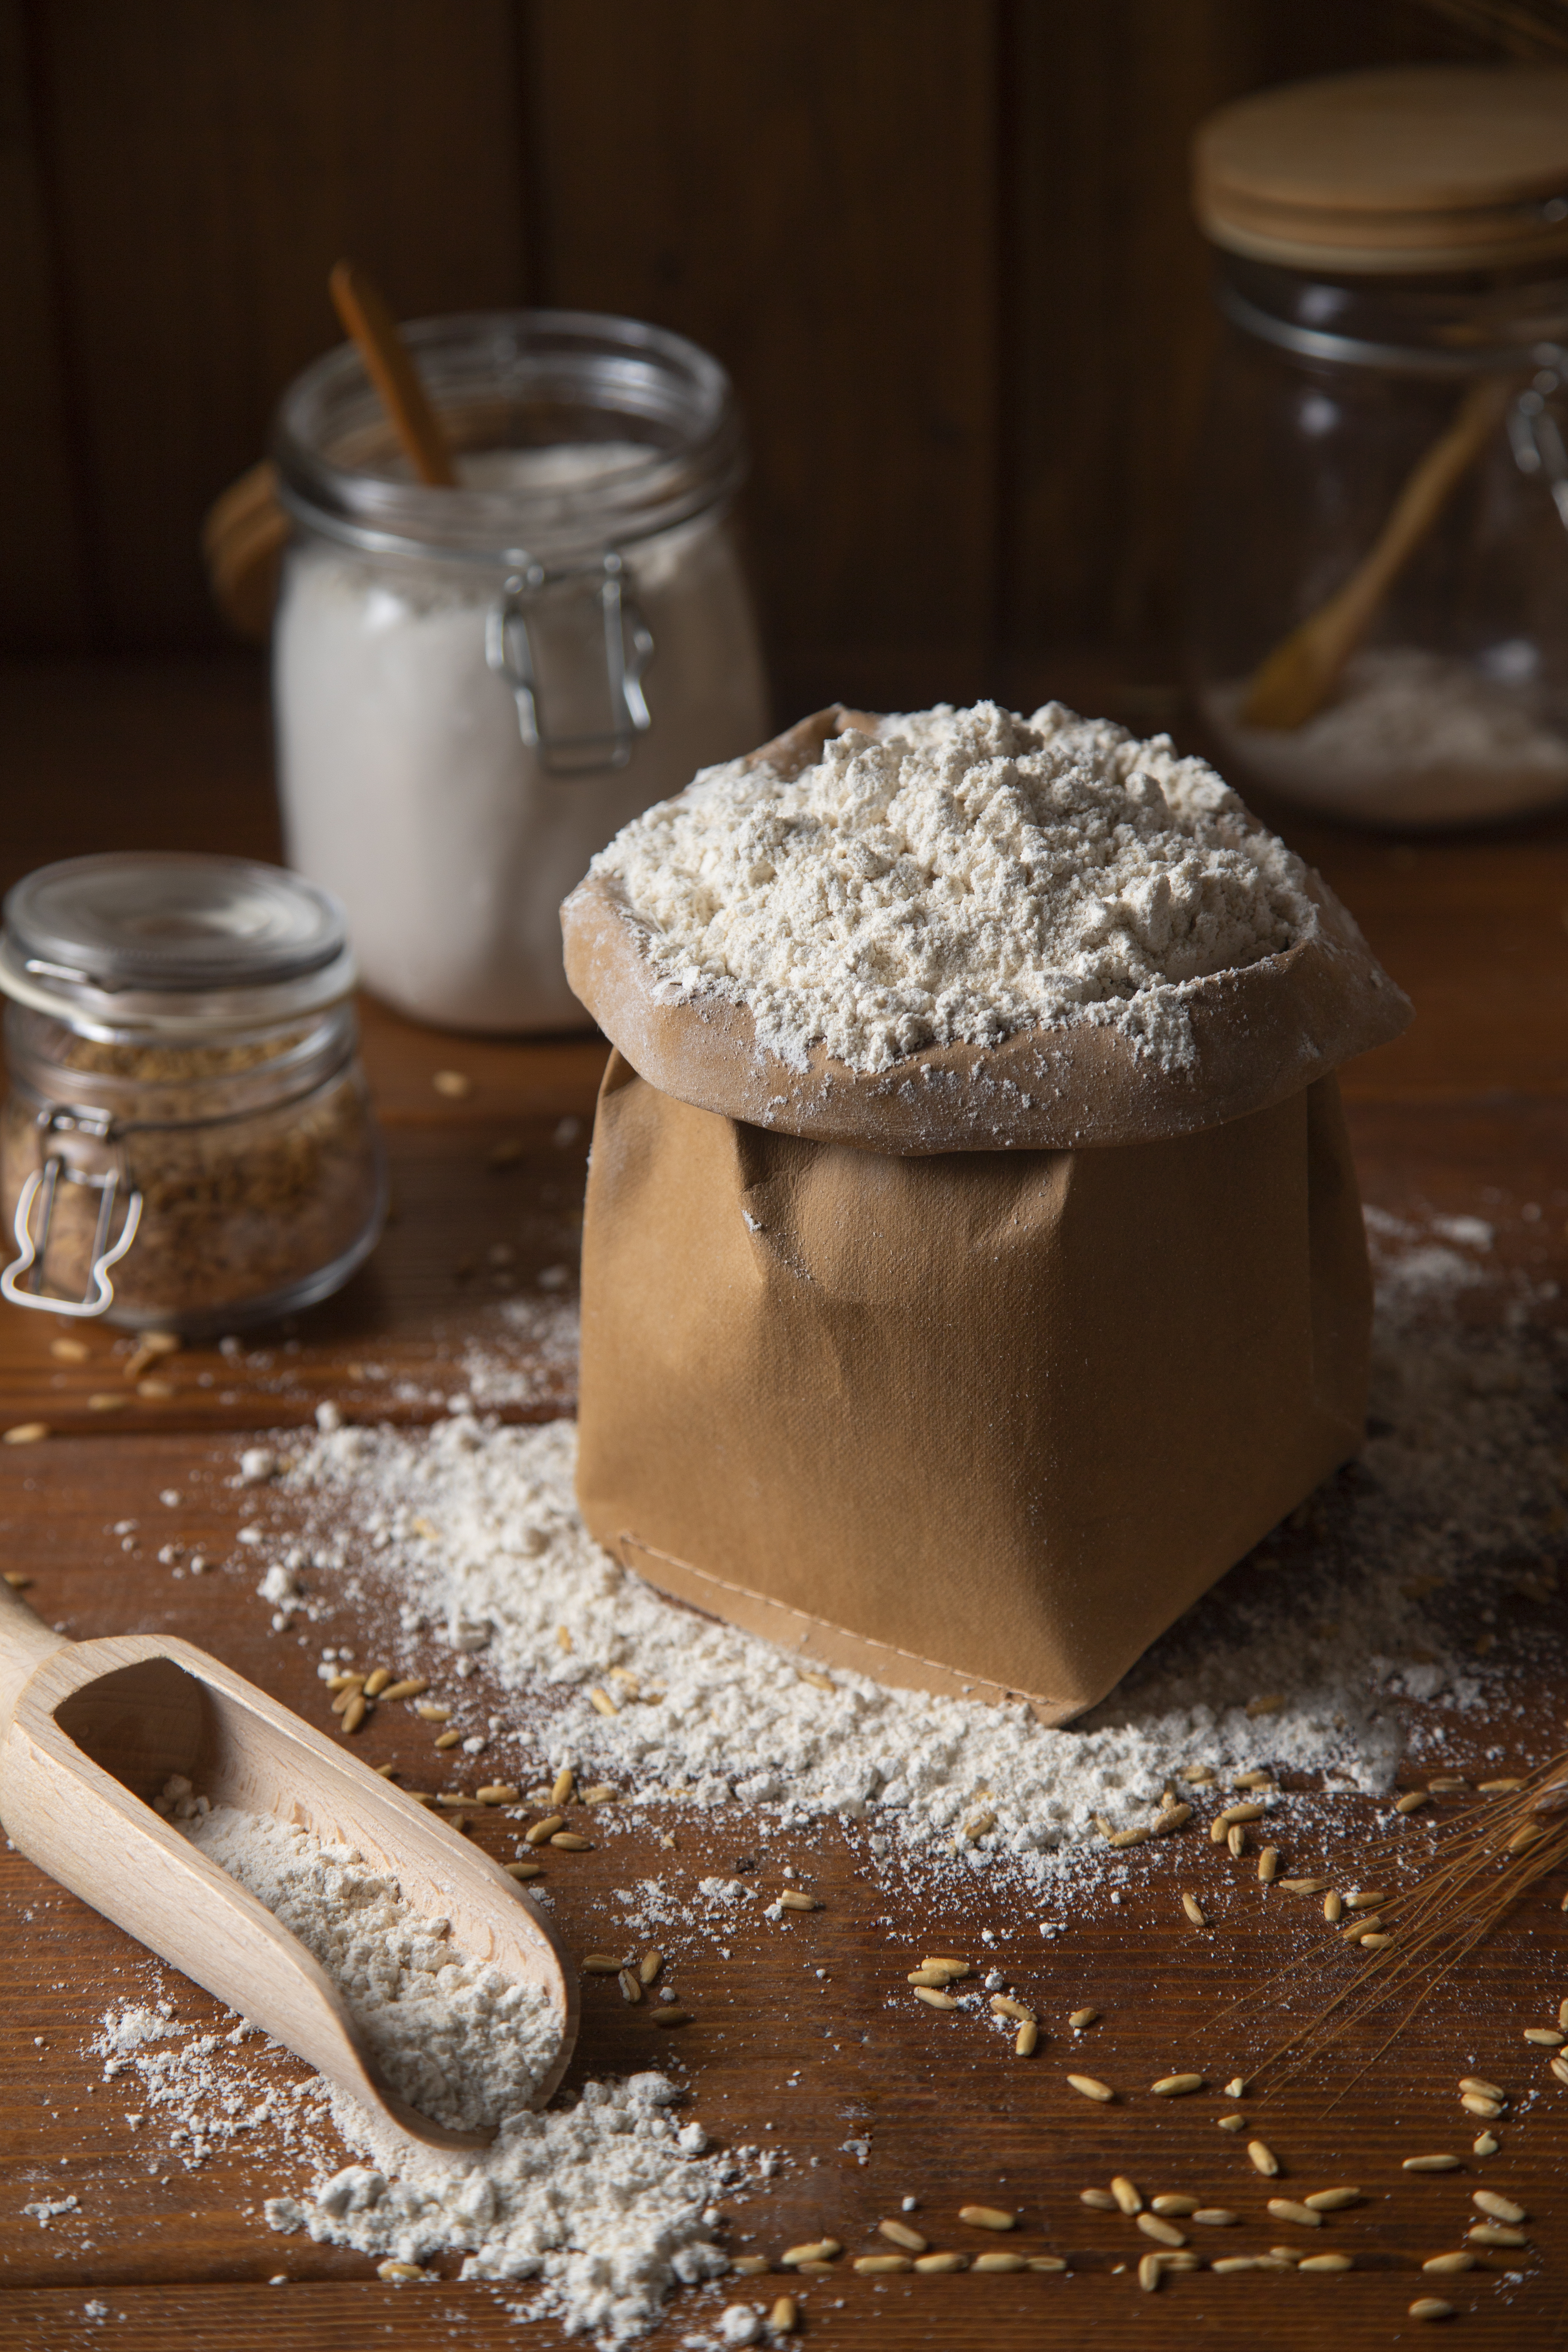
x,y
601,2202
455,2038
958,876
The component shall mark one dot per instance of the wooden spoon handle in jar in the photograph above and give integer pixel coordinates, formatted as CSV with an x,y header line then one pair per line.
x,y
364,315
1292,683
246,529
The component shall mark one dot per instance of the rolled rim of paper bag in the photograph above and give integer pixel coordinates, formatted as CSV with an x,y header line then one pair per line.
x,y
1259,1034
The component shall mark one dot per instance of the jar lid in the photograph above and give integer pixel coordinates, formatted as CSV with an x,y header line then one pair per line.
x,y
171,942
1401,170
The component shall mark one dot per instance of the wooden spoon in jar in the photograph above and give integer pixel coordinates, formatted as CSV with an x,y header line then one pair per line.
x,y
361,307
1292,683
246,530
90,1732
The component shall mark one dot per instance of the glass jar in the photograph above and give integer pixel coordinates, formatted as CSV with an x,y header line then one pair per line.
x,y
476,688
1362,328
188,1142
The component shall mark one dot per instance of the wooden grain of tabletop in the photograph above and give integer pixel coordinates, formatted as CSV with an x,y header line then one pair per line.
x,y
1466,1114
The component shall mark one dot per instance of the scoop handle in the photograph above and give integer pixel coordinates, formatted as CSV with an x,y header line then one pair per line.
x,y
24,1642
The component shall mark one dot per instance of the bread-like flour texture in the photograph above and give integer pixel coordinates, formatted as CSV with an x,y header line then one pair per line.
x,y
957,877
455,2038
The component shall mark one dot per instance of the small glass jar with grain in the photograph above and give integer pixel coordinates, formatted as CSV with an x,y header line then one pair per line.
x,y
188,1142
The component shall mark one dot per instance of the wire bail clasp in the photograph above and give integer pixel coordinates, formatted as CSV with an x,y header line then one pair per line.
x,y
539,610
42,1186
1534,434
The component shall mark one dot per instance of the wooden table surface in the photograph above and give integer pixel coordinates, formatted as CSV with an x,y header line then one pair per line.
x,y
1467,1114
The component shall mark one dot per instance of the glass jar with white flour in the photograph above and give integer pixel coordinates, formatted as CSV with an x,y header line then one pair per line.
x,y
476,688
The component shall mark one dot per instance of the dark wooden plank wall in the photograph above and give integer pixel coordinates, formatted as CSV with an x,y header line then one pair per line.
x,y
943,245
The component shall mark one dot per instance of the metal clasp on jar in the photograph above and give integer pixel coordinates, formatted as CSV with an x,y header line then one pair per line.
x,y
41,1191
595,646
1533,431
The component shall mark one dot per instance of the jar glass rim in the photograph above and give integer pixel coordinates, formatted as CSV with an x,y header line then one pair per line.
x,y
1457,326
526,379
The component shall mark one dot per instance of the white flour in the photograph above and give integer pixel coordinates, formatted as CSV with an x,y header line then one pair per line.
x,y
473,1531
1409,736
961,875
600,2204
455,2037
405,784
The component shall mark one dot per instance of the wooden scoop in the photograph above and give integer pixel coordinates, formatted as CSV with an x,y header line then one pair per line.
x,y
90,1732
1292,683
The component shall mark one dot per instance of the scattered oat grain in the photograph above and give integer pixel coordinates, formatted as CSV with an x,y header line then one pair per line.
x,y
1167,2234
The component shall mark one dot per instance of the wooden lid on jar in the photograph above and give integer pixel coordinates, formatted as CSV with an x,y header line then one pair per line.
x,y
1394,170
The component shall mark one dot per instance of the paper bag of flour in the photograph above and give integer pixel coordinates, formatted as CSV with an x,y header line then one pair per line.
x,y
970,1372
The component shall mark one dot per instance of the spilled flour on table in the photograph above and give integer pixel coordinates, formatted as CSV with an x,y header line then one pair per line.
x,y
471,1531
601,2202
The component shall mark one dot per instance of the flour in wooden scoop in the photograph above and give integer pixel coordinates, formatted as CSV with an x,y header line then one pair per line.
x,y
957,877
455,2038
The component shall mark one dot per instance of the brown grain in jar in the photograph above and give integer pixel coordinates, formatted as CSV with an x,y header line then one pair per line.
x,y
188,1116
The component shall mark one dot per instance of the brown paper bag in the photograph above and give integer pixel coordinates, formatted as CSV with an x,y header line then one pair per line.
x,y
971,1375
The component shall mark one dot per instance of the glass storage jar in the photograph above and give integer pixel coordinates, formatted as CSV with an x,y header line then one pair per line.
x,y
1393,276
476,688
188,1142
